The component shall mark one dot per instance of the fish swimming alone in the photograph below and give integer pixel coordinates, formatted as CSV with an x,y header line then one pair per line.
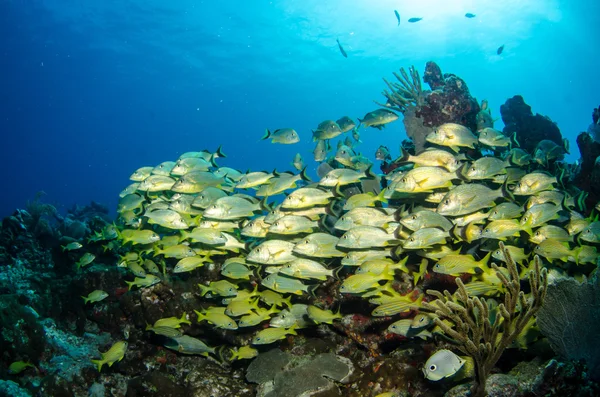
x,y
341,48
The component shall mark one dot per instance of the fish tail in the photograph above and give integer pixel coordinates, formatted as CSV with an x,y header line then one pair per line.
x,y
98,363
565,143
513,140
505,192
266,135
336,272
85,300
212,159
264,205
183,319
369,172
312,290
304,175
219,152
63,247
129,284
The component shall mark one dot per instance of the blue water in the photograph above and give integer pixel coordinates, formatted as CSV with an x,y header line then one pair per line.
x,y
91,90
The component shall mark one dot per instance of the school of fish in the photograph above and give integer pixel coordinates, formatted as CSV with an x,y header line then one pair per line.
x,y
280,239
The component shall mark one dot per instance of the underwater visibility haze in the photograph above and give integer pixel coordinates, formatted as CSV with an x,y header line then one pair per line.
x,y
348,198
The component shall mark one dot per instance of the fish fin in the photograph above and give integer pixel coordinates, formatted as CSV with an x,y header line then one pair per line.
x,y
267,134
304,176
219,151
312,290
565,143
455,149
212,160
336,272
99,363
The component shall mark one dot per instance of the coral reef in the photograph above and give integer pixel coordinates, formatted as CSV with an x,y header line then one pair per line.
x,y
473,332
568,305
588,177
449,101
530,129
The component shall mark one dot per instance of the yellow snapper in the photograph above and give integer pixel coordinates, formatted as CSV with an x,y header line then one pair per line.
x,y
425,238
453,136
141,173
254,179
138,236
396,305
505,211
71,246
113,355
364,216
167,218
220,287
130,202
533,183
217,318
431,157
306,269
367,237
539,214
554,249
19,366
286,136
503,228
455,265
344,176
164,168
272,252
243,353
157,183
190,164
281,183
270,335
318,245
190,263
232,207
143,282
486,168
236,271
358,283
197,181
468,198
320,316
425,218
284,284
306,197
356,258
550,231
516,253
256,227
368,199
95,296
423,180
85,260
172,322
292,225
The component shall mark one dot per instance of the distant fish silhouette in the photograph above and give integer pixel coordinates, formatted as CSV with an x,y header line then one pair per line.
x,y
341,48
469,15
413,20
397,17
500,49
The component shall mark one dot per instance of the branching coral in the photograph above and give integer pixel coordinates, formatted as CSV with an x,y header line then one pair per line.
x,y
405,93
471,329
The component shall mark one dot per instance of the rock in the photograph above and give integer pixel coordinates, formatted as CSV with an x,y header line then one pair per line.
x,y
530,129
285,375
154,384
415,129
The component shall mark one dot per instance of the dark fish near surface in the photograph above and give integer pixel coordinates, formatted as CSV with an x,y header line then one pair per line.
x,y
469,15
413,20
500,49
346,124
397,17
378,118
341,48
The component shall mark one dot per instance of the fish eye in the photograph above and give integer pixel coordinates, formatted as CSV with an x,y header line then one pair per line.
x,y
432,367
345,237
486,230
422,319
404,180
258,338
394,327
411,239
472,168
414,217
447,201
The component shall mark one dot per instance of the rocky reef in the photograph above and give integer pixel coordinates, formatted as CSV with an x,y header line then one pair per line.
x,y
530,129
